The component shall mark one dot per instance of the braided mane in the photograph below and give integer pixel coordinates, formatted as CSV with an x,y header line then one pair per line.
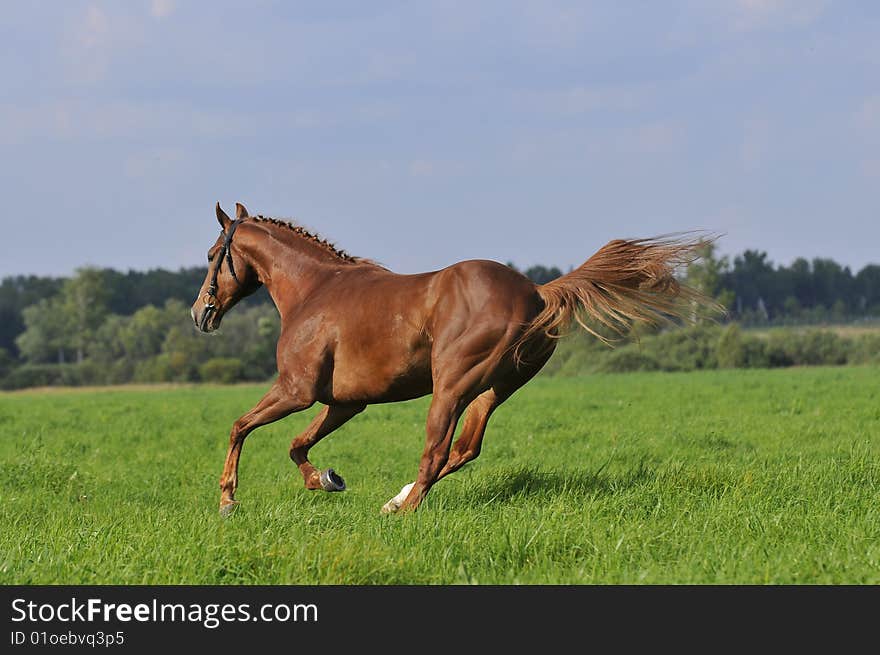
x,y
299,230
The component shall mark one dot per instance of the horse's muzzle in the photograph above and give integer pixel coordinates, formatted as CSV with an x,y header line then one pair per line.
x,y
204,322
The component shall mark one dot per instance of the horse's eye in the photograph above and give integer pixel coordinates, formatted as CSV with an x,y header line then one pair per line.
x,y
210,258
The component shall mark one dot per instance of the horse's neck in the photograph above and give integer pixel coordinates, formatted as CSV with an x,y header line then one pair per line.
x,y
290,269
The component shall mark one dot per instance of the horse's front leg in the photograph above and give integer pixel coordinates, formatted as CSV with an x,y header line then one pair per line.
x,y
278,402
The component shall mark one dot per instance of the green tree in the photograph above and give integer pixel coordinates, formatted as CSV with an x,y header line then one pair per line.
x,y
868,286
833,283
46,336
752,280
541,274
144,332
707,275
6,362
792,307
84,303
16,293
183,347
108,346
801,278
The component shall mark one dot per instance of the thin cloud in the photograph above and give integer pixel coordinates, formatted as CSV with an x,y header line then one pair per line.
x,y
773,14
755,144
868,116
161,8
94,28
157,163
582,99
651,138
94,40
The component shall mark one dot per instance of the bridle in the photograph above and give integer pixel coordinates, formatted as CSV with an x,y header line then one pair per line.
x,y
225,252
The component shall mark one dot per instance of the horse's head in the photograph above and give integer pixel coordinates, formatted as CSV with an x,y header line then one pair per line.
x,y
230,275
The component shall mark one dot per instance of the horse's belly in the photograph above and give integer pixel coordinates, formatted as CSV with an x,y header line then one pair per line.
x,y
380,380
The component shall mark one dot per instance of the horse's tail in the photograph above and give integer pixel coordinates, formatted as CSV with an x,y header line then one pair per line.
x,y
626,281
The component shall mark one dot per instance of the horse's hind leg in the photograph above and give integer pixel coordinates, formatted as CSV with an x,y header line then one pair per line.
x,y
330,418
469,442
466,447
442,419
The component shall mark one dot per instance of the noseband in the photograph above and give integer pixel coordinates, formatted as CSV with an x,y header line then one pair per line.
x,y
225,252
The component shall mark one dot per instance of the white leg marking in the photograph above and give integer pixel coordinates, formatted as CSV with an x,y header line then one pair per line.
x,y
394,504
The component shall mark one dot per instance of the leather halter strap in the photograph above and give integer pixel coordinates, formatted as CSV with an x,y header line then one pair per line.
x,y
225,252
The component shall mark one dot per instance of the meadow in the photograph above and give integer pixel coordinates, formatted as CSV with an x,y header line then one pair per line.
x,y
722,476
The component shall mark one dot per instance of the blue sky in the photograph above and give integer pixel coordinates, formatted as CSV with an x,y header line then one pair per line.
x,y
423,133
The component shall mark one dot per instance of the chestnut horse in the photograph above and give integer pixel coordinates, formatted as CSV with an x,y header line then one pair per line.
x,y
354,333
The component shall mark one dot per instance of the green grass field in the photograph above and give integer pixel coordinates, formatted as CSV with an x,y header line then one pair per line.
x,y
713,477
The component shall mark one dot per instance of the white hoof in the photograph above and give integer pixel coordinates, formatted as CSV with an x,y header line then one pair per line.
x,y
394,504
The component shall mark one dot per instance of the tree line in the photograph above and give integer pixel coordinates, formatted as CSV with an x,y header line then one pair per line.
x,y
105,326
757,292
805,292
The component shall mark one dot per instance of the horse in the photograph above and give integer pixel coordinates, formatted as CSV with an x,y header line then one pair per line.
x,y
354,333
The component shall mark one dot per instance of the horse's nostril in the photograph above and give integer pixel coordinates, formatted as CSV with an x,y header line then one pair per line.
x,y
202,322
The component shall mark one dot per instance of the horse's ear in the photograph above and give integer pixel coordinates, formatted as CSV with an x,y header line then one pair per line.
x,y
222,218
240,211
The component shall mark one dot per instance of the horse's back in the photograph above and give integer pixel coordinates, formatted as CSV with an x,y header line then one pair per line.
x,y
475,285
379,303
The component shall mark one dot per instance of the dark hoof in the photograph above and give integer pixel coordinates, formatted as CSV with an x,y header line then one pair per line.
x,y
228,509
331,481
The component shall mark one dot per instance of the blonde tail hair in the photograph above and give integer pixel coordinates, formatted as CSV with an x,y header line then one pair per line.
x,y
626,281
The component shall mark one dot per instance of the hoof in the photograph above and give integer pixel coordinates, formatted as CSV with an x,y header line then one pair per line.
x,y
394,504
390,507
228,509
332,481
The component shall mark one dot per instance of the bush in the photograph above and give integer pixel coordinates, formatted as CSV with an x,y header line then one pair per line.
x,y
33,375
811,348
576,354
579,362
821,347
754,353
865,349
221,369
54,375
628,359
120,372
738,350
730,352
703,346
712,346
683,349
154,369
779,349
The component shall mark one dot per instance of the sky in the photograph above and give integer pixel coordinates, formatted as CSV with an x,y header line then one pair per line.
x,y
419,134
